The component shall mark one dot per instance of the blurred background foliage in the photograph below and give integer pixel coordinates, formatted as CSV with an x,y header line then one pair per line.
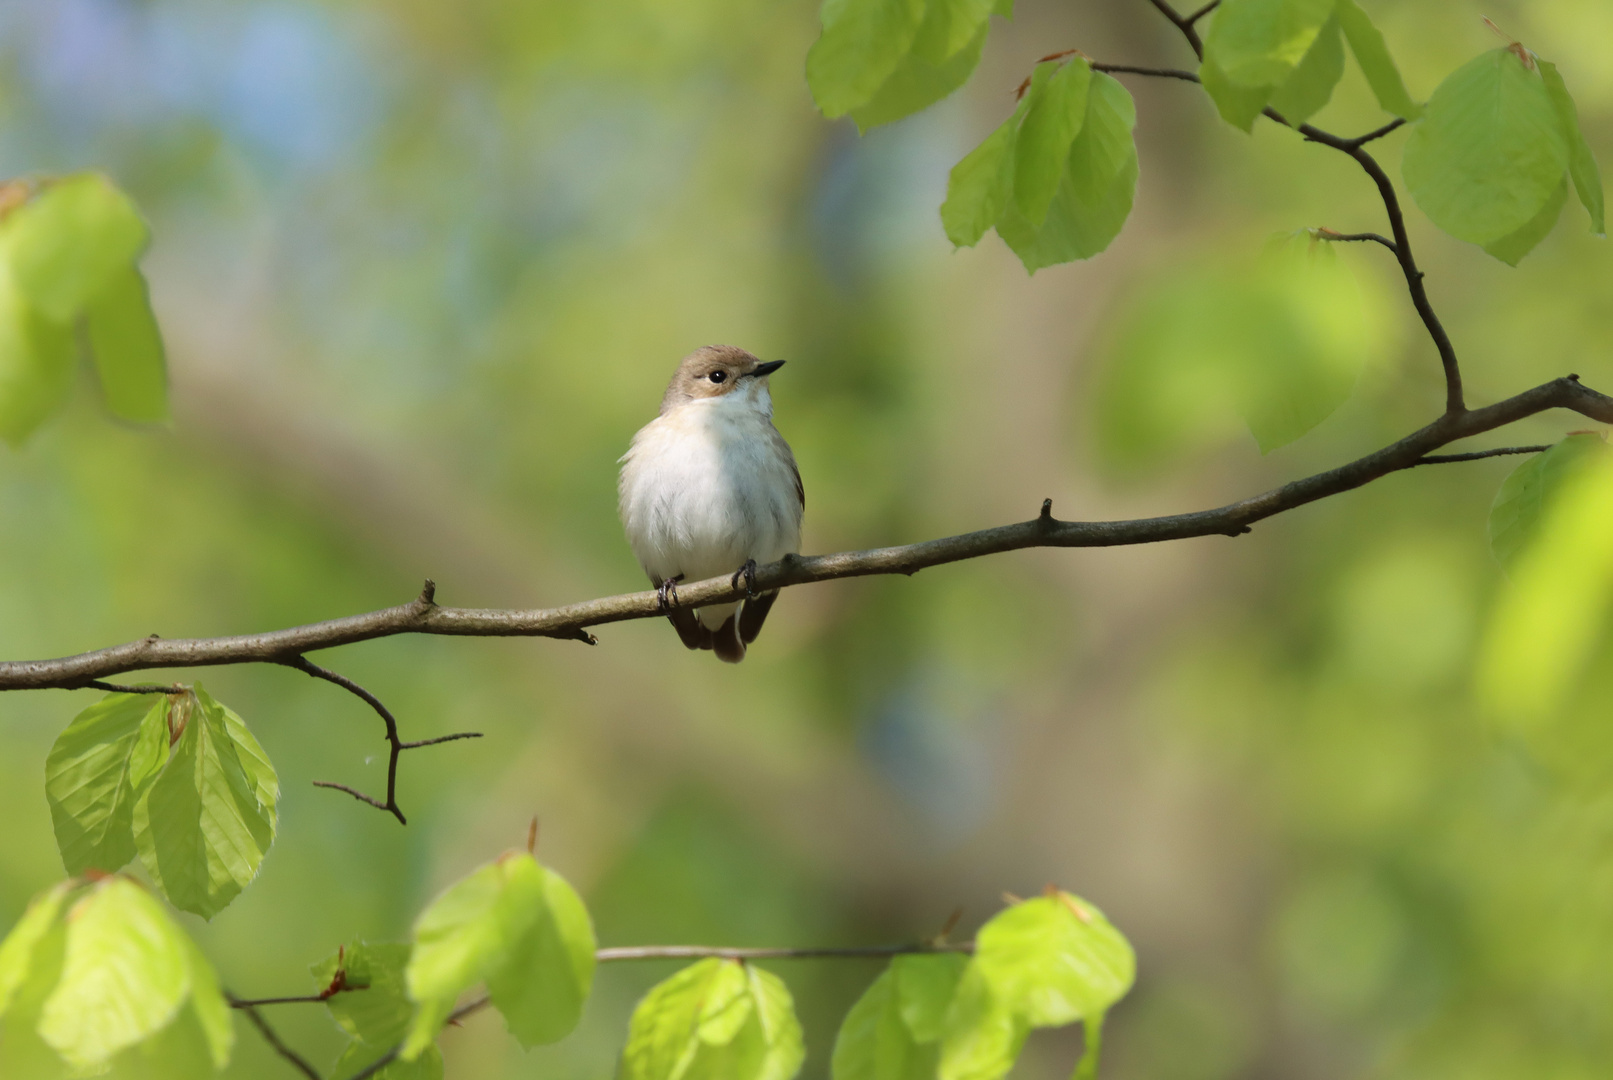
x,y
424,268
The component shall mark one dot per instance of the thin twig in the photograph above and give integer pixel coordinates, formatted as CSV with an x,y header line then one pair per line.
x,y
1185,23
281,646
1377,133
276,1044
396,745
1201,12
1377,238
304,999
117,688
1477,455
723,952
1155,72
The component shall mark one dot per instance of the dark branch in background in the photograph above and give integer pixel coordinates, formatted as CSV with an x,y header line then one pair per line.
x,y
571,621
397,745
296,1060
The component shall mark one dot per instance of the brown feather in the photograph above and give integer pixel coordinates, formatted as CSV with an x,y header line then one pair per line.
x,y
725,640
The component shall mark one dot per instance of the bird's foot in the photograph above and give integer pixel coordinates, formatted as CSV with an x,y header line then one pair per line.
x,y
666,593
748,572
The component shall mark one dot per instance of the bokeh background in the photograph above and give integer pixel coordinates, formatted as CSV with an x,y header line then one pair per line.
x,y
423,270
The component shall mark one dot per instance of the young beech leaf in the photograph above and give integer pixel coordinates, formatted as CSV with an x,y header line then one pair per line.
x,y
127,348
925,985
863,42
1238,105
1581,162
983,1036
98,768
1372,54
36,363
373,1006
1310,87
1489,152
1095,192
1054,960
519,927
1511,248
20,945
201,829
1528,494
1547,622
875,1043
359,1056
982,183
1056,108
67,242
22,1051
714,1020
950,26
919,82
1258,43
124,977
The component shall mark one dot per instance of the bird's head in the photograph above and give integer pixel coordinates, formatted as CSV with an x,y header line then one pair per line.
x,y
717,371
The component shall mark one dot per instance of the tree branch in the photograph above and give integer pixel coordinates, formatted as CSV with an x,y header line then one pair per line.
x,y
572,620
1500,451
397,745
1376,238
276,1044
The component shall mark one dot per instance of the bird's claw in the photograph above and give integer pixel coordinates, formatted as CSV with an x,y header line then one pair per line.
x,y
748,572
666,593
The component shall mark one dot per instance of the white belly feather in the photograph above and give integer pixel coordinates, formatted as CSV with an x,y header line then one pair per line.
x,y
705,487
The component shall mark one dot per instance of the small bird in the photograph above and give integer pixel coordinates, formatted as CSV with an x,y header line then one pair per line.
x,y
710,486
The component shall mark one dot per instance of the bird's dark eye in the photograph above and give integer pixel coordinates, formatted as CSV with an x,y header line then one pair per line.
x,y
718,376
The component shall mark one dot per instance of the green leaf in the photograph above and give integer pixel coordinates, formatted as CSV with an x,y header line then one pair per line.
x,y
361,1055
1581,162
919,81
1054,960
1489,151
980,186
714,1020
874,1043
862,44
65,244
1548,620
127,347
1533,488
22,1052
254,762
200,830
1311,85
1372,54
519,927
36,363
375,1008
1239,106
983,1035
951,27
925,985
1087,1067
18,950
1056,108
545,979
1258,43
1512,248
125,975
97,769
212,1012
1095,194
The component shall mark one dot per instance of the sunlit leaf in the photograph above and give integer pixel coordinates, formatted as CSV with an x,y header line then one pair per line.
x,y
1258,43
20,944
1087,1067
981,185
36,363
22,1052
127,348
64,245
875,1044
359,1056
125,975
661,1037
207,1002
200,830
925,985
1238,105
97,770
714,1020
1056,108
1511,248
1311,85
919,82
1095,193
1581,162
519,927
1372,54
1054,960
375,1008
1547,620
983,1036
862,44
1489,151
1533,488
952,26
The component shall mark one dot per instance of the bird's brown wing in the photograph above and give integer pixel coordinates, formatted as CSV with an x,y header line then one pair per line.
x,y
726,641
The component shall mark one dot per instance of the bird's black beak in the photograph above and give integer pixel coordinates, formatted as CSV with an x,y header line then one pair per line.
x,y
765,369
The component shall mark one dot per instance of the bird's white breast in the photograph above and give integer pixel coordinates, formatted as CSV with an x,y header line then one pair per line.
x,y
707,486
